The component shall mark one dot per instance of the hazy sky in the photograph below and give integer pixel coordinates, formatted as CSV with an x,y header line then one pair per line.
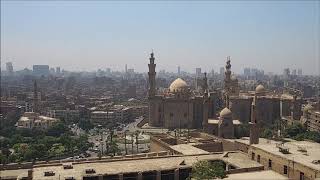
x,y
83,35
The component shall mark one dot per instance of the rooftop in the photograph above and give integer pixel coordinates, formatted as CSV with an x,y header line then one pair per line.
x,y
119,166
303,152
188,149
263,175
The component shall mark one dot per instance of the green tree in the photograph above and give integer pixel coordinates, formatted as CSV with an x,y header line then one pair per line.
x,y
266,133
293,130
57,129
85,124
206,170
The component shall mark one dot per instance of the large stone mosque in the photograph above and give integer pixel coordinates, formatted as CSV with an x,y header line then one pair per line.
x,y
179,107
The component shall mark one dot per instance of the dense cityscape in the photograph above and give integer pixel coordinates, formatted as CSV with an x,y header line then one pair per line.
x,y
48,114
165,90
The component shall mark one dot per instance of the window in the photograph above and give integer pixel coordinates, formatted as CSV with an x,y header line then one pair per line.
x,y
285,169
252,156
301,176
258,158
270,163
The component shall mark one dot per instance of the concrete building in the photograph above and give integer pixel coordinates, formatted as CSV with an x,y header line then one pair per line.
x,y
41,70
293,159
116,114
9,68
66,114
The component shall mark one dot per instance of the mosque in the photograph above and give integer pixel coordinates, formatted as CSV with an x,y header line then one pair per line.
x,y
179,107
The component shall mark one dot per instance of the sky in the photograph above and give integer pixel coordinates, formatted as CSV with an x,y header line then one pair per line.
x,y
86,35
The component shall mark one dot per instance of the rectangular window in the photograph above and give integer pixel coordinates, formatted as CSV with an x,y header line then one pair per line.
x,y
258,158
252,156
301,176
285,169
270,163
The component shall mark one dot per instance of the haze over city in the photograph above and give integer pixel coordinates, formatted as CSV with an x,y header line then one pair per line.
x,y
83,35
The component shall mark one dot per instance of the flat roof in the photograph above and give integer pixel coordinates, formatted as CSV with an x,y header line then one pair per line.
x,y
305,158
188,149
263,175
238,159
18,173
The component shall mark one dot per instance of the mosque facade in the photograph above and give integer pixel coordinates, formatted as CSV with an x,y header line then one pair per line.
x,y
178,107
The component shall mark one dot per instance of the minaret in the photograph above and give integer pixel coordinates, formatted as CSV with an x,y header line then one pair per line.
x,y
35,96
205,84
228,70
152,76
254,130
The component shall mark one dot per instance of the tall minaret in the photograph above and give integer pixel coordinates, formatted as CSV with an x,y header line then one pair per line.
x,y
152,76
254,130
227,81
205,84
35,96
228,70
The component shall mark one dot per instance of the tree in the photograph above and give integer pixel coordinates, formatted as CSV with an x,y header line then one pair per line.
x,y
295,129
85,124
266,133
57,129
243,130
206,170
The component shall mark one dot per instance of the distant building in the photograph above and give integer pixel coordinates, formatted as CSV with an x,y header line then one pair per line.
x,y
299,72
52,71
286,73
222,71
179,70
58,71
31,120
116,114
41,70
9,68
247,72
198,72
131,91
294,72
66,115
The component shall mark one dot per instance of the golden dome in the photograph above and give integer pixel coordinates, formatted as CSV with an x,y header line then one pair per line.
x,y
226,113
178,85
260,89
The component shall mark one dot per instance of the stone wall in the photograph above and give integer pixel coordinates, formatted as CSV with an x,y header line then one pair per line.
x,y
278,163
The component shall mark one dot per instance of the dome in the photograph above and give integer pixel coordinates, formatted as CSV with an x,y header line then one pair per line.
x,y
308,107
178,85
260,89
226,113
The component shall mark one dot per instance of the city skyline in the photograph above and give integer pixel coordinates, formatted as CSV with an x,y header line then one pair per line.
x,y
80,36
